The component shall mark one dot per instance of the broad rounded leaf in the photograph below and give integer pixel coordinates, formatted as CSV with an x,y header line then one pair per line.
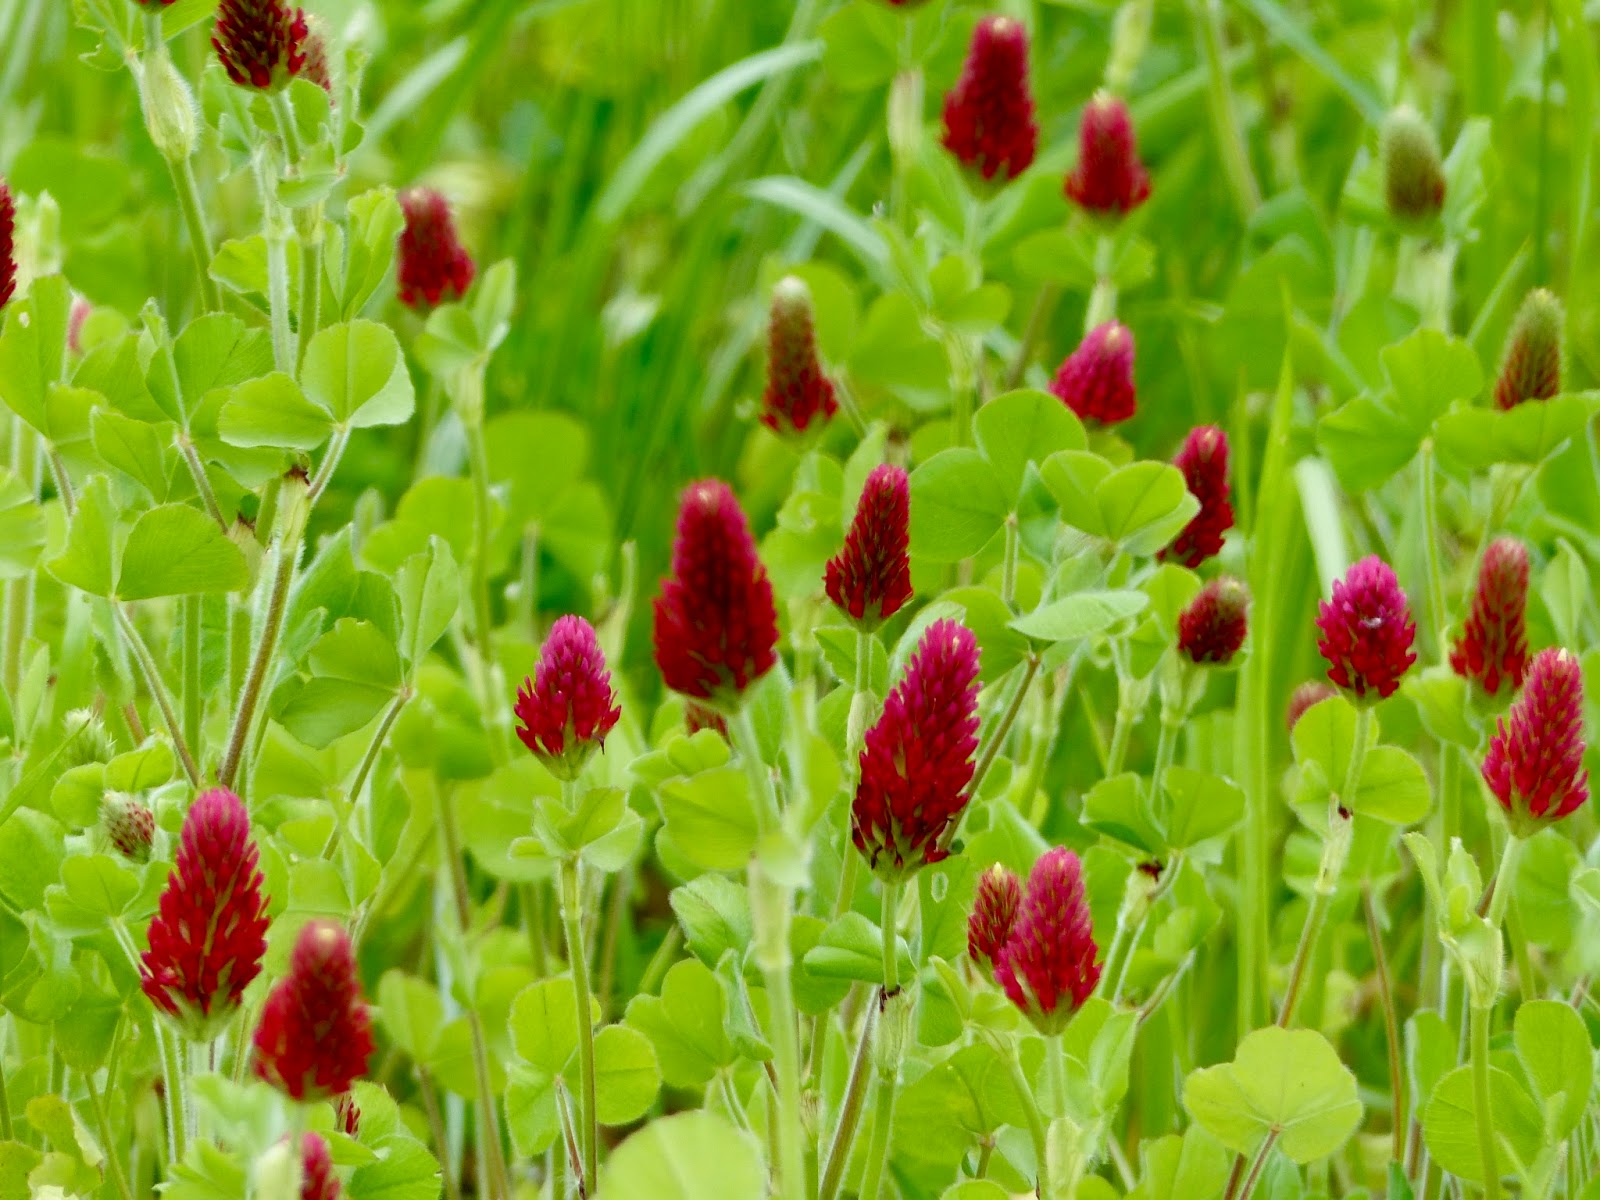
x,y
1083,615
626,1075
1022,427
272,411
175,550
1450,1123
356,372
689,1156
957,505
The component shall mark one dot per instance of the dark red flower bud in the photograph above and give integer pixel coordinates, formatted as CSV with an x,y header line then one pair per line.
x,y
1047,966
697,717
348,1114
1109,179
917,760
318,68
994,912
988,115
433,264
569,707
1367,630
210,930
129,824
1203,459
8,245
1531,368
315,1035
1535,762
1096,380
317,1179
798,392
1212,628
716,626
1413,173
260,43
869,580
1493,646
1303,697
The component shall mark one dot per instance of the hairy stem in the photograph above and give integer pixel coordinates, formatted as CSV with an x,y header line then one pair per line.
x,y
158,689
1391,1026
855,1094
1481,1101
578,963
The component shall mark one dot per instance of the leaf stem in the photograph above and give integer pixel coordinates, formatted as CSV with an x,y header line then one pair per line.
x,y
195,223
103,1120
174,1086
193,706
1224,121
158,689
1030,1109
855,1094
1482,1110
1258,1166
578,964
1391,1026
482,629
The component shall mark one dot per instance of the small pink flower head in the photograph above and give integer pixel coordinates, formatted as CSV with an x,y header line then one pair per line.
x,y
568,708
260,43
798,391
869,580
1047,966
716,625
994,912
1367,631
1096,380
1109,179
315,1035
1535,762
317,1178
1203,459
988,115
1313,691
129,824
1212,628
8,245
348,1115
917,760
1493,647
433,264
210,929
1531,368
1413,172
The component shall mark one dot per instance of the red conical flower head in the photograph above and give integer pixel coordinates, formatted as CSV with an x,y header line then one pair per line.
x,y
1367,630
1109,179
129,824
1314,691
1493,646
1212,628
1047,966
569,707
716,626
260,43
917,760
869,580
209,933
988,115
315,1035
1531,368
1203,459
798,392
317,1180
348,1114
8,245
433,264
1535,762
1096,380
994,912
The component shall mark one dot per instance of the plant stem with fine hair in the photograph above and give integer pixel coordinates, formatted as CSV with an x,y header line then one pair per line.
x,y
578,964
888,1052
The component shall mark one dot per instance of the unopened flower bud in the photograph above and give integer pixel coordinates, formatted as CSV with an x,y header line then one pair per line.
x,y
994,912
1535,762
1047,966
869,580
129,824
798,390
1493,647
1413,172
1531,368
1211,630
169,112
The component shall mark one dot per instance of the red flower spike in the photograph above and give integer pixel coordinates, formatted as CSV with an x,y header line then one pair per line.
x,y
569,707
1535,762
347,1114
994,912
716,626
1096,380
869,580
1203,459
317,1179
1212,628
1367,630
129,824
315,1035
433,264
210,930
798,392
260,43
8,245
1047,966
917,760
1303,697
1109,179
1531,368
1493,647
988,115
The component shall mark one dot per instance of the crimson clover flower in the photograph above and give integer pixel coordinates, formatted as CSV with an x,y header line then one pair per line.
x,y
8,245
1211,629
1535,762
917,760
1367,630
568,708
994,912
1531,367
1047,966
209,933
260,43
869,580
433,264
317,1179
1096,380
315,1035
129,824
1109,179
1493,646
1203,459
988,115
798,391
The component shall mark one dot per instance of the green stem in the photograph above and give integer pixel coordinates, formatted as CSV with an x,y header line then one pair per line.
x,y
193,709
1030,1109
1482,1108
1038,320
1391,1027
195,223
310,282
158,689
888,1055
1102,305
855,1094
202,484
860,700
772,905
1166,749
6,1133
1219,100
577,961
26,465
283,356
1121,734
997,739
261,661
174,1085
1258,1166
482,629
103,1120
1499,898
1008,575
436,1127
